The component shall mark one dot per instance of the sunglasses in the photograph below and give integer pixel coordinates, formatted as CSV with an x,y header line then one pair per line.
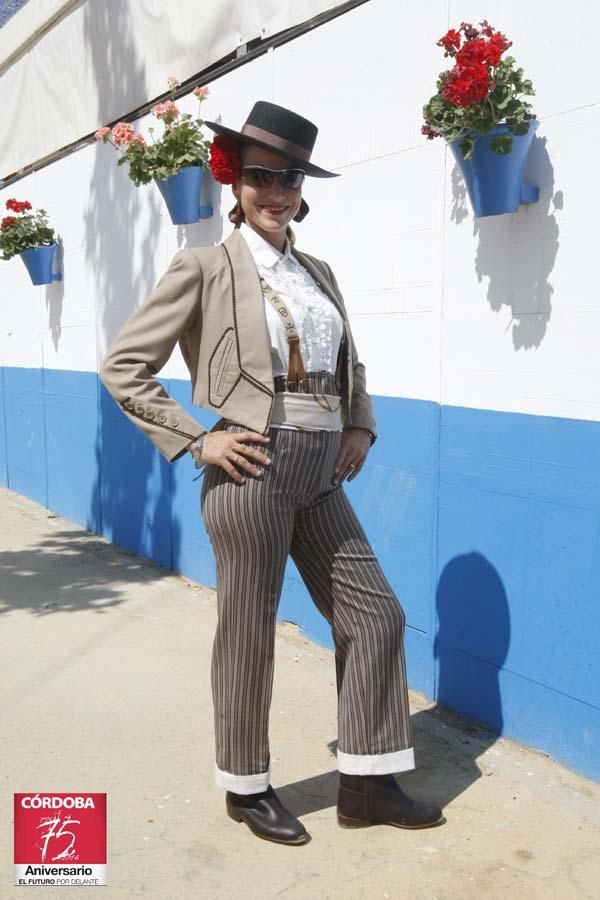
x,y
261,177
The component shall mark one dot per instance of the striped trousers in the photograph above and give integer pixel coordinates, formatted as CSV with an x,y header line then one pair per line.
x,y
294,508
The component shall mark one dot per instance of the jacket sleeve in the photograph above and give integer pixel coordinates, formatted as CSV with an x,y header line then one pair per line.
x,y
141,349
361,409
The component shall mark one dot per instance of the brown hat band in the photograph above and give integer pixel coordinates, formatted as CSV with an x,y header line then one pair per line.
x,y
287,147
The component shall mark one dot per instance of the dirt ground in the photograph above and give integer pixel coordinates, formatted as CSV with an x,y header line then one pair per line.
x,y
105,686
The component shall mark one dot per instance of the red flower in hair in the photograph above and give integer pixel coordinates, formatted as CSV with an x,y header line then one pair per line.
x,y
225,161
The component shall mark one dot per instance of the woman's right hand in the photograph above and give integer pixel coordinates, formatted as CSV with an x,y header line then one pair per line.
x,y
227,450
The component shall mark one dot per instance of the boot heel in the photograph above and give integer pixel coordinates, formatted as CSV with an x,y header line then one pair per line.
x,y
233,815
349,822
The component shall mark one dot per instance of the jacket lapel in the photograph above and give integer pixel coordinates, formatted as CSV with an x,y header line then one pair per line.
x,y
254,344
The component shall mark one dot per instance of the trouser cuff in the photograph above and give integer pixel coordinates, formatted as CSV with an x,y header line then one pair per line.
x,y
243,784
377,763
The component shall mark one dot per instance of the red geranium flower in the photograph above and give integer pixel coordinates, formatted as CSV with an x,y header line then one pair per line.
x,y
429,133
468,85
18,205
7,221
450,42
224,160
486,52
497,44
469,31
472,52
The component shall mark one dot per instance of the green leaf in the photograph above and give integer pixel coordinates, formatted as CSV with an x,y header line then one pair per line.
x,y
466,145
502,145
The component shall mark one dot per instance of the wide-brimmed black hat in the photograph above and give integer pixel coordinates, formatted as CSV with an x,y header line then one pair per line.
x,y
280,130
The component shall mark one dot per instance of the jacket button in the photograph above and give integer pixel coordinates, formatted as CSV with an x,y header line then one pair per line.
x,y
174,423
149,414
162,418
139,409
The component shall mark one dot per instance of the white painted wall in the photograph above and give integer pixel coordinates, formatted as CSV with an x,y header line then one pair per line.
x,y
498,313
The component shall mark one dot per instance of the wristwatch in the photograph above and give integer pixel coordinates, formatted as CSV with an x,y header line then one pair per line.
x,y
196,451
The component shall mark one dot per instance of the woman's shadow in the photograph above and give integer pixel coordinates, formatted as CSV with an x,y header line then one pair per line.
x,y
472,641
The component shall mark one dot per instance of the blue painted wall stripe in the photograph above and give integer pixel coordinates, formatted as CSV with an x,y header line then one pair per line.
x,y
487,524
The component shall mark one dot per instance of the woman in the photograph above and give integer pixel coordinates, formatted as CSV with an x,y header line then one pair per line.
x,y
264,332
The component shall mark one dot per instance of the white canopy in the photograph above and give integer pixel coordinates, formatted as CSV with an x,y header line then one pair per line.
x,y
69,66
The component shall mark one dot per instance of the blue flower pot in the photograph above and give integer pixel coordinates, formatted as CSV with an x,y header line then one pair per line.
x,y
494,182
181,193
38,261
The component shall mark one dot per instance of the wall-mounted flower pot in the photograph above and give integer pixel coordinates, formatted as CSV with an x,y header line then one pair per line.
x,y
181,193
494,182
38,261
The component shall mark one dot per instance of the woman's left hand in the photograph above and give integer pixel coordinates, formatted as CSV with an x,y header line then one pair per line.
x,y
355,445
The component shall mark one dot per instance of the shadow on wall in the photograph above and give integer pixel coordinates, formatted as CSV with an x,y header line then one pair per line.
x,y
55,293
516,252
473,637
471,646
123,239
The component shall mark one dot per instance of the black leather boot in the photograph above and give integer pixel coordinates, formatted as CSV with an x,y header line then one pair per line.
x,y
378,800
266,817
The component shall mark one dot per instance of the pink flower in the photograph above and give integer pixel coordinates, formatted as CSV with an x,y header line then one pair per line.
x,y
103,133
137,139
122,133
173,82
201,93
166,111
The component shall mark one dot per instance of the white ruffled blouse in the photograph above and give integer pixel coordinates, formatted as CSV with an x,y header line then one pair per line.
x,y
318,322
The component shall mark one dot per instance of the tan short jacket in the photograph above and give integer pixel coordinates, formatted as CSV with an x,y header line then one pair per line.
x,y
210,301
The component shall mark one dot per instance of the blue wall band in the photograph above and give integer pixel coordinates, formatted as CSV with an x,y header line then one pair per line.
x,y
487,525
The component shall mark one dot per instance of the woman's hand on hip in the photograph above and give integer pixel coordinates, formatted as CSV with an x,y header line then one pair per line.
x,y
227,450
354,448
